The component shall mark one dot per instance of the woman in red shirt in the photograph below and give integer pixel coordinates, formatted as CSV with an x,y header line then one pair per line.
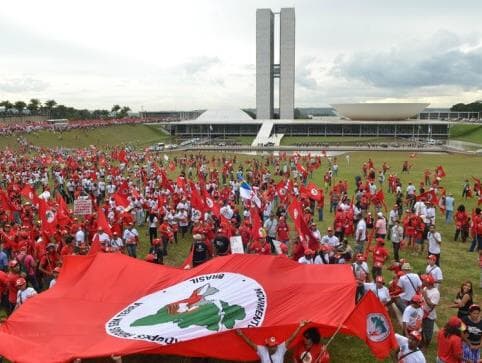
x,y
450,342
283,231
310,348
461,220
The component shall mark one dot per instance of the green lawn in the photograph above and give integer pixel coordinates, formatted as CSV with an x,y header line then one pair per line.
x,y
346,140
469,133
457,264
136,135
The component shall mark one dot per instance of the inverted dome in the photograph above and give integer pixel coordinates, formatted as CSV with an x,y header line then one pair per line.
x,y
379,111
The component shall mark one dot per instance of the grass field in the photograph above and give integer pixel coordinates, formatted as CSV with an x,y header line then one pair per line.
x,y
346,140
457,264
468,133
136,135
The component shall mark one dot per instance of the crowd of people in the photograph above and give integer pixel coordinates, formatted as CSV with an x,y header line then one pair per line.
x,y
205,198
19,128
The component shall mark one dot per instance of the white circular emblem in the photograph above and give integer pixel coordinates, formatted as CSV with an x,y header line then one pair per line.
x,y
378,328
282,191
314,192
209,202
50,216
201,306
295,213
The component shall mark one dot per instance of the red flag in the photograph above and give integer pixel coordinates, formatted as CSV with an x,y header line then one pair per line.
x,y
165,181
29,193
196,200
256,224
370,322
96,246
120,200
174,312
5,201
48,216
122,156
63,218
102,221
306,237
301,169
283,190
211,204
312,191
429,196
440,172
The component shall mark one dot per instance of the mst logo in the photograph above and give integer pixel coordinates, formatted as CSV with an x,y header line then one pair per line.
x,y
378,328
201,306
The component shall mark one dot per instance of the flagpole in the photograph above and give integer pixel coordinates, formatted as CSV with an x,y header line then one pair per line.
x,y
329,342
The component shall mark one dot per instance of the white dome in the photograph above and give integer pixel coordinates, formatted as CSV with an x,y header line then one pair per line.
x,y
224,115
379,111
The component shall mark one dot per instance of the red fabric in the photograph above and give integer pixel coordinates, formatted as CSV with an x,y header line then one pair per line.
x,y
69,320
48,216
121,200
440,171
306,237
102,221
449,348
379,341
28,192
312,191
430,196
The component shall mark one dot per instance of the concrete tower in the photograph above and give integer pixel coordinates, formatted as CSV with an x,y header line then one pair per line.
x,y
267,70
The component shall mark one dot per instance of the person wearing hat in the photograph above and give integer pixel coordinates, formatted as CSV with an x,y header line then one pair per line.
x,y
431,298
360,271
433,270
12,276
48,262
410,283
156,251
116,243
272,351
55,274
449,339
330,239
310,258
379,289
473,336
24,293
221,244
408,348
413,315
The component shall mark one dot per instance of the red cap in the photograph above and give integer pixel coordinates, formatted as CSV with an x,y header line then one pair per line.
x,y
150,258
400,273
432,257
12,263
455,322
156,241
309,251
428,279
271,342
283,247
20,282
417,299
380,240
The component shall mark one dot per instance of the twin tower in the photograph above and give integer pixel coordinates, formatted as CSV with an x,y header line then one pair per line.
x,y
267,70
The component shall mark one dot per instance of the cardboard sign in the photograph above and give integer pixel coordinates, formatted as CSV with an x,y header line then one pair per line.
x,y
236,244
82,207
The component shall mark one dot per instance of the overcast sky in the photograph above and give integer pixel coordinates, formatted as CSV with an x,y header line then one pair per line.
x,y
160,55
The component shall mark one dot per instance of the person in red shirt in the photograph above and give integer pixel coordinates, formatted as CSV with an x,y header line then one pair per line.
x,y
380,255
461,220
283,230
310,348
245,233
49,261
449,348
260,247
12,276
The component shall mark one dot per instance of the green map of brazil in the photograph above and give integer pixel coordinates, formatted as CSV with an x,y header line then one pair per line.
x,y
207,314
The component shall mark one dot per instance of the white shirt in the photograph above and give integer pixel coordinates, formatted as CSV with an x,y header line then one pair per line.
x,y
416,357
434,240
24,295
406,285
382,294
80,236
412,317
434,296
436,273
52,283
332,241
277,357
361,230
308,261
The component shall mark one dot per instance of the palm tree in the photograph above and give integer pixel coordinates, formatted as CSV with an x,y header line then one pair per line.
x,y
115,109
20,106
33,105
124,111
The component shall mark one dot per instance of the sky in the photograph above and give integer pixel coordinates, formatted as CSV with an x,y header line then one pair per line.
x,y
198,54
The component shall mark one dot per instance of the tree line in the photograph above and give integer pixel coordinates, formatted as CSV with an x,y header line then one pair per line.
x,y
53,110
469,107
